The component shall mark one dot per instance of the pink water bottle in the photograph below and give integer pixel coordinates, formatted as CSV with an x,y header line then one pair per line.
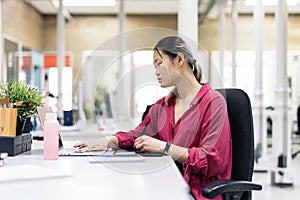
x,y
51,127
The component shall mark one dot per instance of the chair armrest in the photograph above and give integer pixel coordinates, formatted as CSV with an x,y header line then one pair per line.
x,y
215,188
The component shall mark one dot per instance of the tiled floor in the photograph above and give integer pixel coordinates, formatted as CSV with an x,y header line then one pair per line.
x,y
270,192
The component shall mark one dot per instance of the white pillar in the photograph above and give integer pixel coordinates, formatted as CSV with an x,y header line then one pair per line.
x,y
81,123
282,131
60,55
188,19
281,138
260,139
120,102
234,18
222,43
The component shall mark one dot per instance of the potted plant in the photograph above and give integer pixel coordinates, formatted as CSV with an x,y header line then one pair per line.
x,y
30,98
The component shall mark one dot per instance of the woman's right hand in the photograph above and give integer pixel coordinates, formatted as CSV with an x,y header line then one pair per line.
x,y
98,145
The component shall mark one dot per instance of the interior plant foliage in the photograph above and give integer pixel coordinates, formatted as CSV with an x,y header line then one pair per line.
x,y
99,97
20,91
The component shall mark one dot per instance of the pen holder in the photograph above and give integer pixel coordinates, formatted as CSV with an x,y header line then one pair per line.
x,y
8,121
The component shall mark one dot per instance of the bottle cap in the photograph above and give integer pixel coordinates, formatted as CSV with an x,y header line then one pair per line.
x,y
51,116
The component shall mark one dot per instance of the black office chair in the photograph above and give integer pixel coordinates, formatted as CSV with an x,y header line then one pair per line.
x,y
146,111
298,121
241,124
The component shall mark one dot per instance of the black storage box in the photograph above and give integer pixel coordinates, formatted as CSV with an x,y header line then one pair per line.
x,y
15,145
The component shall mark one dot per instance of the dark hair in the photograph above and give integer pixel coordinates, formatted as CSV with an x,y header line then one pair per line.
x,y
173,45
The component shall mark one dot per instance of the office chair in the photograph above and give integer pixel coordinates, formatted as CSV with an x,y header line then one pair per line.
x,y
241,124
298,121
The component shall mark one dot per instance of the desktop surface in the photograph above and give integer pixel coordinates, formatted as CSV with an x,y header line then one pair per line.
x,y
155,178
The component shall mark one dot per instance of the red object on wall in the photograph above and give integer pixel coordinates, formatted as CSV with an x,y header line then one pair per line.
x,y
50,61
27,62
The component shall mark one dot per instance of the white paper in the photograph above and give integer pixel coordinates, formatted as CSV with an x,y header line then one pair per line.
x,y
29,172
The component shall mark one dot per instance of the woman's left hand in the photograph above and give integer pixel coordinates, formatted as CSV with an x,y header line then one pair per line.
x,y
149,144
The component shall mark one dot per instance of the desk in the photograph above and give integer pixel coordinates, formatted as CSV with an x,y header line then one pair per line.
x,y
155,179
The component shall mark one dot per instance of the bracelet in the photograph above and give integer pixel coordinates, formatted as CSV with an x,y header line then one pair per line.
x,y
167,147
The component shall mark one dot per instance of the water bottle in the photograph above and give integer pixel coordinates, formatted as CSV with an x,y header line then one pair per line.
x,y
51,127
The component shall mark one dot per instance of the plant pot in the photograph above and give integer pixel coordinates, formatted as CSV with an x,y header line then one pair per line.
x,y
23,126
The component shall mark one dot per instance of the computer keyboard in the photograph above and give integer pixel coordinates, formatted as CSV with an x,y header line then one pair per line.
x,y
75,151
68,151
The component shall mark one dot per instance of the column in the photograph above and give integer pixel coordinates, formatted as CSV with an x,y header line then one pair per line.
x,y
260,139
121,114
60,56
188,20
234,17
281,140
82,119
222,43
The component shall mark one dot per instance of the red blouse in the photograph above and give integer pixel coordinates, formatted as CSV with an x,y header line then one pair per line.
x,y
203,129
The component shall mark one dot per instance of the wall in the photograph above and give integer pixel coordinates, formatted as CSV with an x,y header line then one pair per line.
x,y
88,32
22,22
208,33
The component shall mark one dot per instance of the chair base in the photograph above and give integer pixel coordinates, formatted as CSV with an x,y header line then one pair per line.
x,y
262,165
281,178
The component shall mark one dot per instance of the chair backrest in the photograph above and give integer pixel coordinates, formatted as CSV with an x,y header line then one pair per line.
x,y
298,121
146,111
242,134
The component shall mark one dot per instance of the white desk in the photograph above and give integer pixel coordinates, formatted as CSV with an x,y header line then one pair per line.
x,y
155,179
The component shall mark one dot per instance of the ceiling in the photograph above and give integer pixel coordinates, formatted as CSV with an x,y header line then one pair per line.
x,y
131,6
46,7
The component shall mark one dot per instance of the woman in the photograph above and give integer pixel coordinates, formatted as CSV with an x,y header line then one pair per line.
x,y
190,124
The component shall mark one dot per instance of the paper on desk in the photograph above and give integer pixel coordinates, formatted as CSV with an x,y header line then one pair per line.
x,y
115,159
29,172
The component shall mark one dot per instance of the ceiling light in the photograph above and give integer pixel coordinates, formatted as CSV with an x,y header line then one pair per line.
x,y
271,2
87,3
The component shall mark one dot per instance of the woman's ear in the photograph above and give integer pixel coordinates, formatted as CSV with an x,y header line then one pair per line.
x,y
180,59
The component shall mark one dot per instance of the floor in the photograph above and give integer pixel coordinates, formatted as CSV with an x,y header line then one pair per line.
x,y
270,192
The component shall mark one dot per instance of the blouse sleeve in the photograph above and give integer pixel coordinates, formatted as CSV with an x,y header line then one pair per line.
x,y
147,127
214,151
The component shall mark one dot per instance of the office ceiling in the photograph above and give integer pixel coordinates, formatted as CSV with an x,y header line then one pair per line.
x,y
47,7
131,6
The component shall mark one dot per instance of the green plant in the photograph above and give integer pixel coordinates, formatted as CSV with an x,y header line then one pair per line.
x,y
88,112
30,97
99,97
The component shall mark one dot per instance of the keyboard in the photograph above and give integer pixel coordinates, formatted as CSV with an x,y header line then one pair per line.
x,y
68,151
75,151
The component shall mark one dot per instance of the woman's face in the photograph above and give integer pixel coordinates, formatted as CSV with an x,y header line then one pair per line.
x,y
165,69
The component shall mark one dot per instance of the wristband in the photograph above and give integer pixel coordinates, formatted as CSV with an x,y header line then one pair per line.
x,y
167,147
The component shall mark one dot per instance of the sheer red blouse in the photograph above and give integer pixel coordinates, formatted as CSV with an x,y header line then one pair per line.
x,y
203,129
